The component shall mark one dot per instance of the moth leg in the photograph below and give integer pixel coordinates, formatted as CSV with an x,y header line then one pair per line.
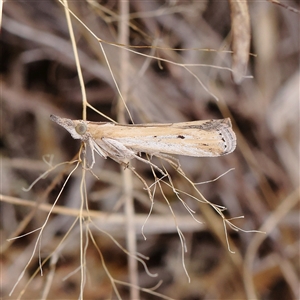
x,y
117,150
95,148
120,152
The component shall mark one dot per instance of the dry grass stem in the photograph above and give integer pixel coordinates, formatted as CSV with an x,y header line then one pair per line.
x,y
149,225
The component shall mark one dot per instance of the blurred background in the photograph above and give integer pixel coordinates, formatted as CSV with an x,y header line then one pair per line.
x,y
39,78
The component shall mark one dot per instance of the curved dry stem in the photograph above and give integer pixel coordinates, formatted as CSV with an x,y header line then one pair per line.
x,y
268,226
219,209
215,179
45,174
135,256
77,61
180,234
128,48
105,267
38,241
149,291
41,264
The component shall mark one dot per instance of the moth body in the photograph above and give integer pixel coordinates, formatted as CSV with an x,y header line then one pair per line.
x,y
208,138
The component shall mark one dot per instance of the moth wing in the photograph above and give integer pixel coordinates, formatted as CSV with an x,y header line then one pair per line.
x,y
198,138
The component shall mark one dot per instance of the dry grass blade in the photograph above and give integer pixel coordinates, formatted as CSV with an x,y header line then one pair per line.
x,y
269,226
240,21
293,9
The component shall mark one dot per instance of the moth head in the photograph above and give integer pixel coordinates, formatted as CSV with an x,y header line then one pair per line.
x,y
77,128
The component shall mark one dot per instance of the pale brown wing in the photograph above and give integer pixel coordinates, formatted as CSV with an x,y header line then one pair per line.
x,y
199,138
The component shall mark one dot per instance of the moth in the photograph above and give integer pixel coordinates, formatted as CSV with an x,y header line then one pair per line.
x,y
209,138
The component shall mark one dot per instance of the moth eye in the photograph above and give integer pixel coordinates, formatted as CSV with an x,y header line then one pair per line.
x,y
81,129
